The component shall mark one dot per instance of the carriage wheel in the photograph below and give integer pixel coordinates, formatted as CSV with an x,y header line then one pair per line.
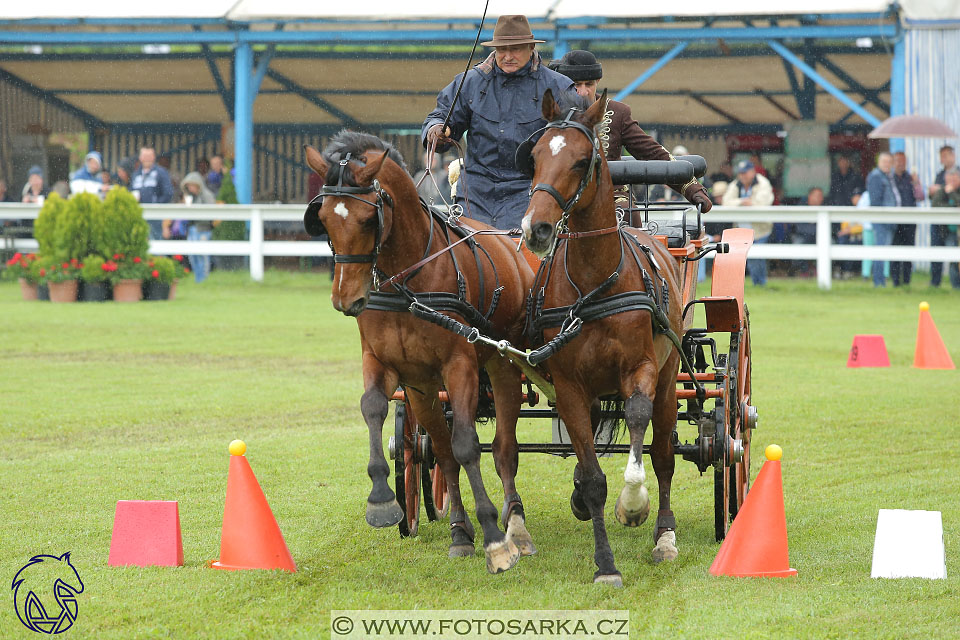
x,y
721,470
743,426
436,499
407,469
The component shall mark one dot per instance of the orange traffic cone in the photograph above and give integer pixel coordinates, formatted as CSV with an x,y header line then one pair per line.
x,y
756,545
251,538
930,353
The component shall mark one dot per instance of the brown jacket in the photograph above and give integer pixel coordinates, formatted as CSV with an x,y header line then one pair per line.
x,y
623,131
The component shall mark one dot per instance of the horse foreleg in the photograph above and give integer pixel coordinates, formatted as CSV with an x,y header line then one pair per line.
x,y
507,395
382,507
574,407
664,422
429,413
460,377
633,504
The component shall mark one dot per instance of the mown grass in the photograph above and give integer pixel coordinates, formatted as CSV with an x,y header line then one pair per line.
x,y
102,402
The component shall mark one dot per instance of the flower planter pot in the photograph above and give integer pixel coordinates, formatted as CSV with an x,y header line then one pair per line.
x,y
65,291
43,292
28,290
156,290
173,290
95,292
128,291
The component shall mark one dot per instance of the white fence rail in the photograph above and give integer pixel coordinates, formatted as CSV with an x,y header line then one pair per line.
x,y
256,248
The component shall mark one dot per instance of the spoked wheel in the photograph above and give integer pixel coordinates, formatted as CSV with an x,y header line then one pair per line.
x,y
407,468
436,499
735,417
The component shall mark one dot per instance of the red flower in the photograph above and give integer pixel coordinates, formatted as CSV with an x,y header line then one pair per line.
x,y
17,256
151,263
178,257
65,265
155,273
74,261
43,272
136,259
116,256
185,270
80,266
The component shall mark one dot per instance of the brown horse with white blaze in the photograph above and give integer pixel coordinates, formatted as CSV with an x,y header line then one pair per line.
x,y
621,354
378,227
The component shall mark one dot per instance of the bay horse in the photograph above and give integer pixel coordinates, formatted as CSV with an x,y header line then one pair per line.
x,y
620,355
378,228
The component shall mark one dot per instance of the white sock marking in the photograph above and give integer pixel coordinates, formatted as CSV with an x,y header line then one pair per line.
x,y
634,473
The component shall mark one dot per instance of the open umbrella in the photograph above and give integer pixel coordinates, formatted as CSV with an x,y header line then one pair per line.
x,y
912,126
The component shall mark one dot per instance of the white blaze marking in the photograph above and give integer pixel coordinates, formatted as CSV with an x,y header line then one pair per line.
x,y
557,143
341,210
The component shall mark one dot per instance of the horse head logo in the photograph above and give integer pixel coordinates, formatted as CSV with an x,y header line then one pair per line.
x,y
32,587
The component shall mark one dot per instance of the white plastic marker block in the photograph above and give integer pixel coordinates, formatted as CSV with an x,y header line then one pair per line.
x,y
909,544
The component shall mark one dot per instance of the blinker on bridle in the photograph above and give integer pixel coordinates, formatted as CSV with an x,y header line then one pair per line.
x,y
314,226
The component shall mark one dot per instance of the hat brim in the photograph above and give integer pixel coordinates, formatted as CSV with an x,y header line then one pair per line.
x,y
507,43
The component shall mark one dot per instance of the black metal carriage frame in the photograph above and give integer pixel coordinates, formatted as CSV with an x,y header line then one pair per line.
x,y
724,419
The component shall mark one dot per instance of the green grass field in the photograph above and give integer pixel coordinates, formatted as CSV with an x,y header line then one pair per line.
x,y
101,402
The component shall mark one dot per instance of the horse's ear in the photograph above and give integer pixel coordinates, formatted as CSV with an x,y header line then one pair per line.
x,y
594,114
315,160
550,109
365,175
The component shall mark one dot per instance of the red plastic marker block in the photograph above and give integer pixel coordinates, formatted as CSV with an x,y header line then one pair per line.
x,y
146,533
868,351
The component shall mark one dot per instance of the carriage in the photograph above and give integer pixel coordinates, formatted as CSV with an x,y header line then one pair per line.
x,y
715,398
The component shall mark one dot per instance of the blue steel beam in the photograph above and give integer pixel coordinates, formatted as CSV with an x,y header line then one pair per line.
x,y
830,32
820,80
646,75
262,65
225,94
885,87
311,96
243,122
852,83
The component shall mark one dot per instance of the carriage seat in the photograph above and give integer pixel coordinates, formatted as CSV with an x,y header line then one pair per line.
x,y
677,236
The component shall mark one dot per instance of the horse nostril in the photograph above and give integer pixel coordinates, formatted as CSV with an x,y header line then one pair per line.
x,y
355,308
542,232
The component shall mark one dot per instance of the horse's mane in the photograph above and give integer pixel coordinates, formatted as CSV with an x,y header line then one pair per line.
x,y
565,101
355,143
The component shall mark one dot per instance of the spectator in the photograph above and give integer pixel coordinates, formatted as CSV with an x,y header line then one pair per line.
x,y
883,192
751,189
202,166
851,232
164,161
939,232
806,232
34,192
904,235
106,182
724,174
843,182
214,176
195,191
429,188
151,184
125,170
86,179
4,194
947,196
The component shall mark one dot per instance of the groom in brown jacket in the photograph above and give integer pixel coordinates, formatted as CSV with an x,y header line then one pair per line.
x,y
618,129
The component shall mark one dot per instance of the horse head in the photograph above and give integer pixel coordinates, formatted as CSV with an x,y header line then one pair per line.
x,y
564,166
356,213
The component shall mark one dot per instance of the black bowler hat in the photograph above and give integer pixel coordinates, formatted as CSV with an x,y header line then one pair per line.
x,y
578,65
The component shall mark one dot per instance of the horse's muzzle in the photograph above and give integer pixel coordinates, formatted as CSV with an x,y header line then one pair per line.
x,y
540,238
356,308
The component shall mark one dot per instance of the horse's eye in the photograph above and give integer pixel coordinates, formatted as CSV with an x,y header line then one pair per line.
x,y
583,163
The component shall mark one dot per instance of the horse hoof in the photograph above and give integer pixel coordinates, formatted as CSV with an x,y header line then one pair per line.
x,y
612,579
666,548
579,509
501,556
461,551
517,532
384,514
636,513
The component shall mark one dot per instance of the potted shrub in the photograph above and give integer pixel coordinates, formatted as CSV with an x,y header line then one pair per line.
x,y
18,268
63,278
45,226
123,230
161,272
127,278
228,229
180,270
95,276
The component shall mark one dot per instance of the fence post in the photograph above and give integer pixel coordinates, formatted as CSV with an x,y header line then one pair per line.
x,y
824,267
256,244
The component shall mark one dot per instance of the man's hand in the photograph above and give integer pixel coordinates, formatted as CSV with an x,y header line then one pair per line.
x,y
949,189
435,134
696,194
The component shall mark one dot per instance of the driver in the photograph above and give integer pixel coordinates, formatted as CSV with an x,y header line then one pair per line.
x,y
500,105
618,129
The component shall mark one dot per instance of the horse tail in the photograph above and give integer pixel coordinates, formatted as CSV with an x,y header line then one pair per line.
x,y
485,409
611,422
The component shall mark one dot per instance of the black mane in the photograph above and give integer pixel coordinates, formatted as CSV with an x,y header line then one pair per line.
x,y
355,143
